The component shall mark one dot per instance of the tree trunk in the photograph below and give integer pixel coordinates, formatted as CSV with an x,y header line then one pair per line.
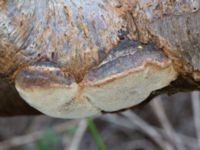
x,y
80,35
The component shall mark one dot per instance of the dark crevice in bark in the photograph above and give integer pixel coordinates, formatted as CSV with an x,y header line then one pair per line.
x,y
11,103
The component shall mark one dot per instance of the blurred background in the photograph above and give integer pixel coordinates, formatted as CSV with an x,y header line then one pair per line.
x,y
165,123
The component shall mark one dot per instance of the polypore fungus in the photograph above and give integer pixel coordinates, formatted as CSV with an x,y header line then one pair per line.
x,y
124,79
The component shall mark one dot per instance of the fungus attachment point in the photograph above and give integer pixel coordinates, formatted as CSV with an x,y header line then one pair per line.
x,y
51,91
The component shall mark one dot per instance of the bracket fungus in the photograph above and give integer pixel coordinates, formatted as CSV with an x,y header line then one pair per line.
x,y
124,79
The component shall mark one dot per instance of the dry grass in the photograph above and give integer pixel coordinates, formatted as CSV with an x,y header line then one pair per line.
x,y
166,123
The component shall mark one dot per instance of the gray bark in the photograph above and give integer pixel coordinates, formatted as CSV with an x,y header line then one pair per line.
x,y
78,35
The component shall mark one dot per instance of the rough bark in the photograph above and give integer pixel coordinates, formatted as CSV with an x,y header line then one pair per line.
x,y
77,40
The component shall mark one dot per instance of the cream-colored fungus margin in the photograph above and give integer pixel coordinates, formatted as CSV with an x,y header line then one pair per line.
x,y
131,89
89,98
57,101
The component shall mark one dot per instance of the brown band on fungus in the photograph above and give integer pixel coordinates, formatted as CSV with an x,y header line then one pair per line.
x,y
127,57
43,75
117,76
